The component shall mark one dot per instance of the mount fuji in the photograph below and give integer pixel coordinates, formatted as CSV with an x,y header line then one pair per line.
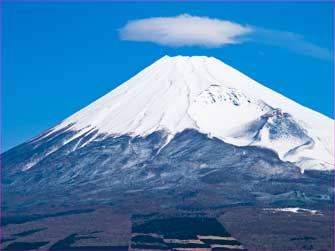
x,y
202,93
187,134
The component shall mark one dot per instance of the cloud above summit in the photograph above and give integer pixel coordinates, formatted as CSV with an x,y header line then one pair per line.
x,y
184,30
188,30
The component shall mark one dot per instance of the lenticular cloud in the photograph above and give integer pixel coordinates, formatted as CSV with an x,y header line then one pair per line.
x,y
184,30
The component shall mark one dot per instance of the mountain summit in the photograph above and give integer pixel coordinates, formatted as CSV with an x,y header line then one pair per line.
x,y
205,94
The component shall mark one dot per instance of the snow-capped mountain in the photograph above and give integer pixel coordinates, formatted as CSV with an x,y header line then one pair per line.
x,y
186,136
204,94
190,132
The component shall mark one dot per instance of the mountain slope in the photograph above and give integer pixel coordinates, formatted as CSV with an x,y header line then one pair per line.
x,y
176,93
107,168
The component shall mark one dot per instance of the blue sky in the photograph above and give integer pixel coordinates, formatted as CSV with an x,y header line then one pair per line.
x,y
59,57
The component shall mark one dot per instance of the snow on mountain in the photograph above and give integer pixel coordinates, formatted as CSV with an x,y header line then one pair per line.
x,y
205,94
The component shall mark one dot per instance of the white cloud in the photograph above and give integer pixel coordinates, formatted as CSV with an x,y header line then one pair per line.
x,y
184,30
187,30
